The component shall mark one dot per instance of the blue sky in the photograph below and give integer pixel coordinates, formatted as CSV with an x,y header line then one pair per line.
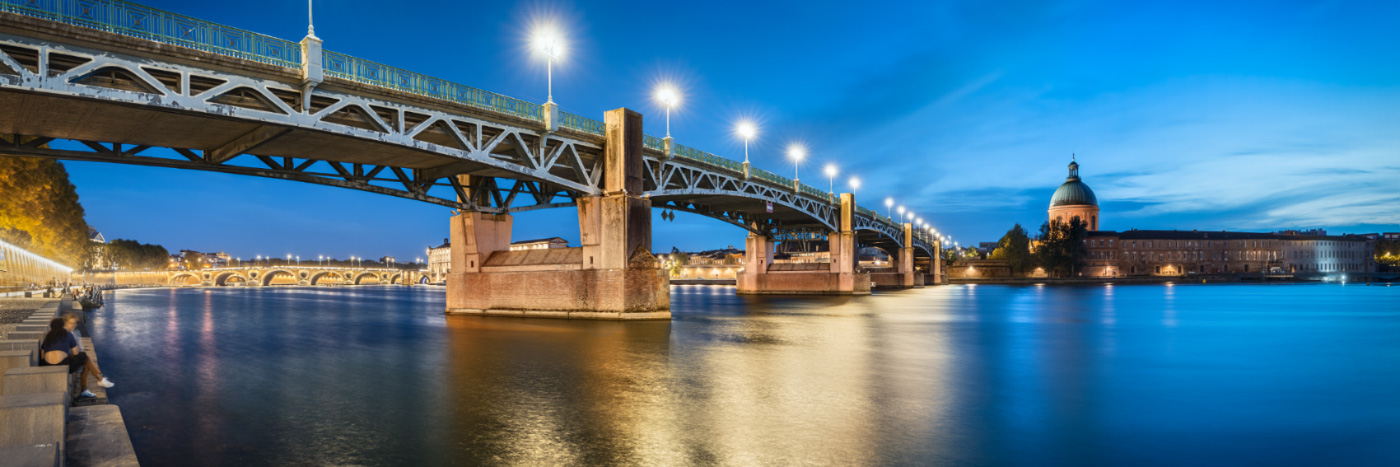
x,y
1184,115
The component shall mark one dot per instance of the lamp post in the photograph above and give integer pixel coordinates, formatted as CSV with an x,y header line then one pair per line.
x,y
257,260
901,214
889,203
831,179
547,42
669,98
855,184
746,130
796,152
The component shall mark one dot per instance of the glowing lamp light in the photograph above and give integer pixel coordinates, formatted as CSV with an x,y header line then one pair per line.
x,y
855,183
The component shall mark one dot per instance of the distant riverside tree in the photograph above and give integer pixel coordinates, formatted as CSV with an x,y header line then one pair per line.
x,y
192,262
678,260
950,256
1062,249
1015,249
39,210
134,255
1388,252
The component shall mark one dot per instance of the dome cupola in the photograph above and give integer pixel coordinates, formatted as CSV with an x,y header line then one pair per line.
x,y
1073,192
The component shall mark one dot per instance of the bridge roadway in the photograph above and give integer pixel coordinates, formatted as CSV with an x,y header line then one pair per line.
x,y
124,81
260,276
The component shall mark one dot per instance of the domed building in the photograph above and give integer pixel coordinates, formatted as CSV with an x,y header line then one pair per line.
x,y
1075,199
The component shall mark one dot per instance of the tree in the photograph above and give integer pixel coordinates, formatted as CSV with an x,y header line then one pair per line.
x,y
678,260
134,255
39,210
1015,249
1062,247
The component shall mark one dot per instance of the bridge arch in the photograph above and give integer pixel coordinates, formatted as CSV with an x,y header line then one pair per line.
x,y
366,278
396,279
327,277
229,278
185,279
278,277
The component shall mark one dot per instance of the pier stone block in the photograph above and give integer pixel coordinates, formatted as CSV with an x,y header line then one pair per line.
x,y
15,359
26,336
35,380
29,419
97,436
31,455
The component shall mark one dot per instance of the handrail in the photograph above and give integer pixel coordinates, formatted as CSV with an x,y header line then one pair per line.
x,y
130,19
364,71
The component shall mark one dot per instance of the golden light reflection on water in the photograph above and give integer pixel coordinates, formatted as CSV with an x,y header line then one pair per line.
x,y
768,388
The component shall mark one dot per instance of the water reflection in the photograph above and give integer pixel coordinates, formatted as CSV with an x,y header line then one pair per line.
x,y
945,375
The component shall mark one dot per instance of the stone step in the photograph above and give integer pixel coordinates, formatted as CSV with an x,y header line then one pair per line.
x,y
30,336
36,379
97,436
30,419
31,328
17,344
31,455
15,359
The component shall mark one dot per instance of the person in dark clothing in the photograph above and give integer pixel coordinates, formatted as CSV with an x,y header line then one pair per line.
x,y
60,347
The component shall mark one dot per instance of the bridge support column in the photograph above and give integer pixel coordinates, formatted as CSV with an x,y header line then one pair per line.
x,y
612,275
839,277
905,264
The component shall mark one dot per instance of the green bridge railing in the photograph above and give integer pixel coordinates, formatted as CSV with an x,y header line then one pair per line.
x,y
130,19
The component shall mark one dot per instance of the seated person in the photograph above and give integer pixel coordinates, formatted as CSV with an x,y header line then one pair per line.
x,y
60,347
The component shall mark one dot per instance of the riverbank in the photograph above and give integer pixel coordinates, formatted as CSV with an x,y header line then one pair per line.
x,y
44,423
1165,280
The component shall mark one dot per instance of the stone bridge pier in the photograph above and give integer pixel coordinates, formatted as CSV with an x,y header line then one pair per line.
x,y
905,272
839,277
613,275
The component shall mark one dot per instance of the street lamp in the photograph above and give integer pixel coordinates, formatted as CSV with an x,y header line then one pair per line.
x,y
667,95
831,179
746,130
901,214
298,260
547,42
889,202
796,152
256,260
855,184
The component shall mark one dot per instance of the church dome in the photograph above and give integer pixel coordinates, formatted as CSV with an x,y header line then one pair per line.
x,y
1073,192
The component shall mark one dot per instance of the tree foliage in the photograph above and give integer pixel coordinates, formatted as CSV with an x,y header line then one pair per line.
x,y
134,255
1062,249
1015,249
39,210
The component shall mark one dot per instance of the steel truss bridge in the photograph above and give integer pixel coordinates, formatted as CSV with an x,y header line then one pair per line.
x,y
111,81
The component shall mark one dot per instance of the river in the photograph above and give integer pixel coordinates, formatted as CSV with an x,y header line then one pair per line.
x,y
951,375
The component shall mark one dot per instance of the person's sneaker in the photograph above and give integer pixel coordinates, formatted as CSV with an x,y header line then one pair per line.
x,y
87,394
106,383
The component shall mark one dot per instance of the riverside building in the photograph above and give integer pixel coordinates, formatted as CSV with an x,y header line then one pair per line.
x,y
1182,253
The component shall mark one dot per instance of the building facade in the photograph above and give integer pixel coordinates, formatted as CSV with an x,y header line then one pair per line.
x,y
1183,253
439,262
539,244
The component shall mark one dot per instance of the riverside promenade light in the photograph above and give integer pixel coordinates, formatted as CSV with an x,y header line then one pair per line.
x,y
855,184
796,152
900,210
669,97
889,203
746,130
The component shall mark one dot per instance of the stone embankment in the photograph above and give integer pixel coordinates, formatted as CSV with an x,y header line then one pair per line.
x,y
42,422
